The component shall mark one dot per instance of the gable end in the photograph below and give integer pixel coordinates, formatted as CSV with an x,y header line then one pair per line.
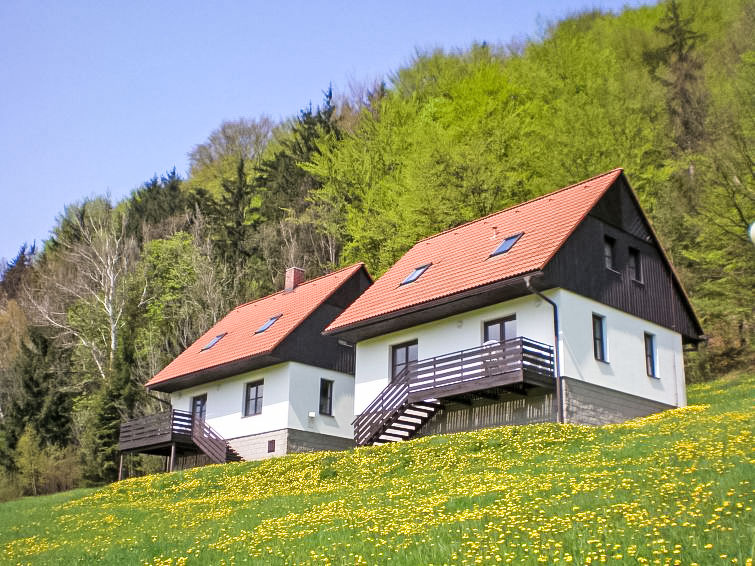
x,y
580,266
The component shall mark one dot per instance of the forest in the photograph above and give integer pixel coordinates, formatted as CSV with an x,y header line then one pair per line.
x,y
120,288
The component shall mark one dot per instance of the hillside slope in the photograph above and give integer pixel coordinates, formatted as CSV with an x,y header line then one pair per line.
x,y
674,488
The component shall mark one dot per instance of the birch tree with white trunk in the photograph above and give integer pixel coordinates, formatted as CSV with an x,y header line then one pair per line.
x,y
79,289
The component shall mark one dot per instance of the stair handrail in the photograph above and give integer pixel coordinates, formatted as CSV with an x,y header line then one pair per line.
x,y
390,399
208,440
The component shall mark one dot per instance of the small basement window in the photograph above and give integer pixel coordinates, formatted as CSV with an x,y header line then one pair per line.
x,y
268,324
507,244
213,341
414,275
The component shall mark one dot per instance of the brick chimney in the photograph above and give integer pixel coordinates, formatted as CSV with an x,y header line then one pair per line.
x,y
294,277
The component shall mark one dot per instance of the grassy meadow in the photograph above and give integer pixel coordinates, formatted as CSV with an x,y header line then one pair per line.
x,y
673,488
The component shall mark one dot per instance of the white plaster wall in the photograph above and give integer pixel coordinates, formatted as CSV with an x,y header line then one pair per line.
x,y
625,347
305,397
225,402
625,370
291,390
534,319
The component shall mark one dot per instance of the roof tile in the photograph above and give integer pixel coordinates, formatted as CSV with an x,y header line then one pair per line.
x,y
241,323
461,259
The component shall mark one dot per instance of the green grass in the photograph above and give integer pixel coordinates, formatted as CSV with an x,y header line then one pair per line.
x,y
674,488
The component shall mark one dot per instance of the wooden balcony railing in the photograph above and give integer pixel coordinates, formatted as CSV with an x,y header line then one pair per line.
x,y
172,427
513,361
500,363
209,441
391,399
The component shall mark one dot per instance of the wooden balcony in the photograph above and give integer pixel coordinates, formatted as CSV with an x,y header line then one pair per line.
x,y
412,398
513,361
172,433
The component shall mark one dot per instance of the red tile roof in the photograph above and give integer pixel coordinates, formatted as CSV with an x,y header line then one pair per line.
x,y
240,324
460,257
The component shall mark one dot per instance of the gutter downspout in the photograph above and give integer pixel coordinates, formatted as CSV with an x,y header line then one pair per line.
x,y
556,356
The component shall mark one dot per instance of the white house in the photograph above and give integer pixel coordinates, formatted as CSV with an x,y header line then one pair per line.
x,y
564,308
263,381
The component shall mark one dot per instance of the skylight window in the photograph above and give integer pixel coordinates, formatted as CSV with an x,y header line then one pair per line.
x,y
213,341
414,275
268,324
507,244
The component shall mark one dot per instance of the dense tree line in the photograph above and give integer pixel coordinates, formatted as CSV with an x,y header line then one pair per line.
x,y
120,289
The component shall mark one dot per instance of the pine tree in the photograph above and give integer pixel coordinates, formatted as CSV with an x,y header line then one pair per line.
x,y
677,66
45,401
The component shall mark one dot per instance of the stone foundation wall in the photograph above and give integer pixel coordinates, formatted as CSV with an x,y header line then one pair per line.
x,y
304,441
287,440
586,403
255,447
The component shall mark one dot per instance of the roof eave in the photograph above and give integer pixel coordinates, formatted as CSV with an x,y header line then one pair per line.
x,y
423,312
213,373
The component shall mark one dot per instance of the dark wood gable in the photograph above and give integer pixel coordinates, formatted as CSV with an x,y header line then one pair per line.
x,y
307,344
580,265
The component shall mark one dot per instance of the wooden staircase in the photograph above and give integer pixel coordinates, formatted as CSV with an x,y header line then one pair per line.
x,y
391,417
210,442
414,396
231,455
406,421
174,433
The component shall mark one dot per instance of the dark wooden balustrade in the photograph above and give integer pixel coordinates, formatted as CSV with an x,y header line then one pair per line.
x,y
519,360
209,441
391,400
157,432
483,367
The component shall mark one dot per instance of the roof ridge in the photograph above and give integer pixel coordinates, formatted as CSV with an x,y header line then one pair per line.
x,y
513,206
307,282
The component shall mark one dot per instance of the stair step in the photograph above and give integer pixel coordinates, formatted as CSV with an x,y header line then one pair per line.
x,y
397,431
405,426
409,420
417,413
389,437
424,407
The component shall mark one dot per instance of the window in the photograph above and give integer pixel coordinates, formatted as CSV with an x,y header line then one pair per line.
x,y
507,244
213,341
414,275
326,397
500,330
253,399
402,355
609,248
270,446
650,354
598,337
199,406
268,324
635,265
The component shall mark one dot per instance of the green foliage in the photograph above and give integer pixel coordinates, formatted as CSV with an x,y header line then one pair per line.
x,y
42,469
664,91
217,159
42,403
157,203
676,486
30,461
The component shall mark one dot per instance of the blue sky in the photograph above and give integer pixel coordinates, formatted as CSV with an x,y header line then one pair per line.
x,y
97,97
